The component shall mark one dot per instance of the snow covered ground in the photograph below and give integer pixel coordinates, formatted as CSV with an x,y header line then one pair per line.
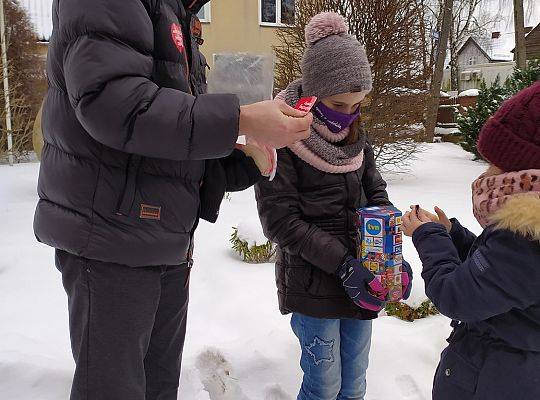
x,y
236,337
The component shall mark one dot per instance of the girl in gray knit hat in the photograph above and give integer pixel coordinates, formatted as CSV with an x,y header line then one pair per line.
x,y
309,211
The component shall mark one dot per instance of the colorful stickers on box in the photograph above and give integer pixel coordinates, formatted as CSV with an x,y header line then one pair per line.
x,y
381,249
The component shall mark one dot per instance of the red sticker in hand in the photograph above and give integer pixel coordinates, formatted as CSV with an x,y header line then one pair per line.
x,y
306,103
177,37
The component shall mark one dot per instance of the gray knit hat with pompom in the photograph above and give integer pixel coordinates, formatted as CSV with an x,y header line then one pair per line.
x,y
334,61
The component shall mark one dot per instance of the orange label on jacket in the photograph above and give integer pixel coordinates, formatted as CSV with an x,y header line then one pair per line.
x,y
150,212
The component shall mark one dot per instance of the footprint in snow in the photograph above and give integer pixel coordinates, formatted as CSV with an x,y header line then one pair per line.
x,y
275,392
216,376
409,388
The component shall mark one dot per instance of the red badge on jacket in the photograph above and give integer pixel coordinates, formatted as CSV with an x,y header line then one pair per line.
x,y
177,37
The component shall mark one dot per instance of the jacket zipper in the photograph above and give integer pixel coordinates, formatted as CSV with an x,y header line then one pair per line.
x,y
125,203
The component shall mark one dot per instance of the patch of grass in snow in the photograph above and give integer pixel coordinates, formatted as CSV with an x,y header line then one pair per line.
x,y
407,313
256,253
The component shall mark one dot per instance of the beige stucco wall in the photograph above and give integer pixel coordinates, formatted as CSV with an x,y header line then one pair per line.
x,y
489,72
234,27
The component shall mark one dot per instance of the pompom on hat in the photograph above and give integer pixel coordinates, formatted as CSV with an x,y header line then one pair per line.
x,y
323,25
510,139
334,61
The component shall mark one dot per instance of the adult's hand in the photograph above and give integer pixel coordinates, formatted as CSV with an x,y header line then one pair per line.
x,y
274,124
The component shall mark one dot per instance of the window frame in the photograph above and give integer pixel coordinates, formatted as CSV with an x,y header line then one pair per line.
x,y
278,15
207,13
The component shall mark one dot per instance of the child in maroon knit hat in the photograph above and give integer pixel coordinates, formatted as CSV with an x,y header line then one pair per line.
x,y
490,285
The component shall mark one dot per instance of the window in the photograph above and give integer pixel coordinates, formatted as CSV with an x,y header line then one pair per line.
x,y
276,12
205,14
472,61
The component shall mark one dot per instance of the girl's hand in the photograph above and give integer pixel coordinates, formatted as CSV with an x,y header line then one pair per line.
x,y
265,157
443,219
412,220
439,218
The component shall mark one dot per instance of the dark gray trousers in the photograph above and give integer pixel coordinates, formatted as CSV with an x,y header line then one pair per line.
x,y
127,328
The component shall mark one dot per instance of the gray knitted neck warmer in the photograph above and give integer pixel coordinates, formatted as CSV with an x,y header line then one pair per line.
x,y
323,143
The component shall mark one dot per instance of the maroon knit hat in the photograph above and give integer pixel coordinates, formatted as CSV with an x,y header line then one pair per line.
x,y
510,139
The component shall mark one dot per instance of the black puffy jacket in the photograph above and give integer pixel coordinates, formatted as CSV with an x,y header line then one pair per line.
x,y
127,130
311,215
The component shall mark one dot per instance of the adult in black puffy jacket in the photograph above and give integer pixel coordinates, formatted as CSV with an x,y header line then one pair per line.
x,y
490,285
134,154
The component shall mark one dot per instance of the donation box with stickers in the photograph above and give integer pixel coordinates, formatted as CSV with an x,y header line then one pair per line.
x,y
381,246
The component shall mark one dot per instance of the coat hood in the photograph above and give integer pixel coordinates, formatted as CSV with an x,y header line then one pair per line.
x,y
520,215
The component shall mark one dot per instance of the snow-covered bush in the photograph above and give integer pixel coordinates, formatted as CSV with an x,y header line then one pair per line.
x,y
408,313
249,242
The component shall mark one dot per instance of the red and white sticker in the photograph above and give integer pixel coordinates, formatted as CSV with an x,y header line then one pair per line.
x,y
306,103
177,37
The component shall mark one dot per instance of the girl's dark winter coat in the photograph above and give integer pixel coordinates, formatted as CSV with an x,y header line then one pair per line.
x,y
491,285
311,215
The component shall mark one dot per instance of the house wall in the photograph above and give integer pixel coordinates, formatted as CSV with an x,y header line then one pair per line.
x,y
471,51
532,43
235,27
489,72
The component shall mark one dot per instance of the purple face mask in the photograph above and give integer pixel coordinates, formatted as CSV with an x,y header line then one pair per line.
x,y
334,120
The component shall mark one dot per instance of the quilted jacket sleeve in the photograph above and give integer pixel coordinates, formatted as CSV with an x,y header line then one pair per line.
x,y
234,173
107,68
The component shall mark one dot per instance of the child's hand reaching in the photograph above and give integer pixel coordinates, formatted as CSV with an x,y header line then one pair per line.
x,y
439,218
265,157
413,219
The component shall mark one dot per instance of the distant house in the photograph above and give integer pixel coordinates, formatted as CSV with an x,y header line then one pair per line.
x,y
476,64
532,43
472,53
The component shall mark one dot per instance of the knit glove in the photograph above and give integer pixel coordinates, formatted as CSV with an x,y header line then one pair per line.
x,y
361,285
406,280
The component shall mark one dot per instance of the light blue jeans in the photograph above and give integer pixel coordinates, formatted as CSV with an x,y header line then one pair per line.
x,y
335,357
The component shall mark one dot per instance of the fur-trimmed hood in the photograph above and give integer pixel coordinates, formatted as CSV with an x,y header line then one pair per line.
x,y
520,215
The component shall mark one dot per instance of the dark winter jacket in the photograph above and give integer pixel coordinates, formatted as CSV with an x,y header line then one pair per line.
x,y
127,130
311,215
490,286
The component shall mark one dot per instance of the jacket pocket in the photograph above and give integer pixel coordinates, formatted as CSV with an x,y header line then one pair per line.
x,y
455,376
125,202
298,279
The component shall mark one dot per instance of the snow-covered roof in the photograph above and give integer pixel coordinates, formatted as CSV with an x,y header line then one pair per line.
x,y
469,93
40,13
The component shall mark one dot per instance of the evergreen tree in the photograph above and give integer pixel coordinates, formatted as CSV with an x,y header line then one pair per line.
x,y
521,79
489,101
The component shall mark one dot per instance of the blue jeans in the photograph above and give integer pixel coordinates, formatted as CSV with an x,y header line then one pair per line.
x,y
335,357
